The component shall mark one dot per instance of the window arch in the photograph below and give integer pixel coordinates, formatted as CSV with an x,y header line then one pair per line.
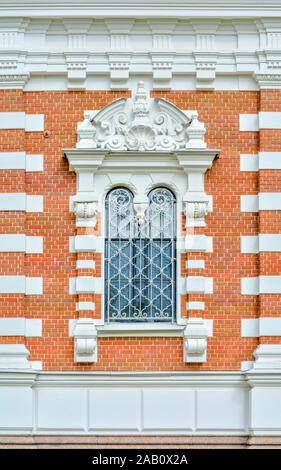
x,y
140,258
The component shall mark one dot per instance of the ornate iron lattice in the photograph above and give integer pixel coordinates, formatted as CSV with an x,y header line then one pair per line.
x,y
140,258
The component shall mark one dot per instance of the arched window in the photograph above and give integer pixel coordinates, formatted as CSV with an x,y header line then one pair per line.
x,y
140,258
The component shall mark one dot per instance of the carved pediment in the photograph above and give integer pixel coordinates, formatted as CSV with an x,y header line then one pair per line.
x,y
141,124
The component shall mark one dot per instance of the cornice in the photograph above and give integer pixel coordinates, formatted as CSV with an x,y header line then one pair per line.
x,y
148,8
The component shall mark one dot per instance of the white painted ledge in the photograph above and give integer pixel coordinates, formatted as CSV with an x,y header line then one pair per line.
x,y
21,161
261,285
261,243
21,285
148,329
20,327
21,243
86,285
20,202
20,120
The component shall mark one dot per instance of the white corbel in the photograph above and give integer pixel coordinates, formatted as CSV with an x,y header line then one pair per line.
x,y
195,340
85,341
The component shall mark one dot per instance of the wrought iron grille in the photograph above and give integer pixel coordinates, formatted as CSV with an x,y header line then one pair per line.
x,y
140,258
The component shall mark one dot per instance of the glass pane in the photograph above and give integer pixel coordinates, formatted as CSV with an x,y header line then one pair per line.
x,y
140,260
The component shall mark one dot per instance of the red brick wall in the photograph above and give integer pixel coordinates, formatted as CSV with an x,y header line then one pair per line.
x,y
219,111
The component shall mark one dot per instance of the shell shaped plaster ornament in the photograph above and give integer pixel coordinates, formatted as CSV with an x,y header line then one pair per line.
x,y
141,124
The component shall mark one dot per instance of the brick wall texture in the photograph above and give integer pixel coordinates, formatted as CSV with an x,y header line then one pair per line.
x,y
219,110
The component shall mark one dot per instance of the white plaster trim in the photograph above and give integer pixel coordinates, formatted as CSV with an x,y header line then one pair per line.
x,y
86,285
195,305
14,356
10,326
199,243
250,327
141,329
268,356
199,284
85,264
261,201
21,285
248,123
149,403
21,161
269,201
249,203
263,120
35,162
261,285
269,242
20,202
34,203
264,242
34,122
264,326
195,264
270,284
262,161
85,306
88,243
36,365
250,286
20,120
250,244
21,243
270,160
246,365
12,161
249,162
269,120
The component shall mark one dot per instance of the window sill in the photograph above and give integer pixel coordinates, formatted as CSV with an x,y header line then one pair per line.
x,y
137,329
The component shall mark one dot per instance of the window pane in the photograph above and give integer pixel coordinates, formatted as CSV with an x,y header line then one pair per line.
x,y
140,260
